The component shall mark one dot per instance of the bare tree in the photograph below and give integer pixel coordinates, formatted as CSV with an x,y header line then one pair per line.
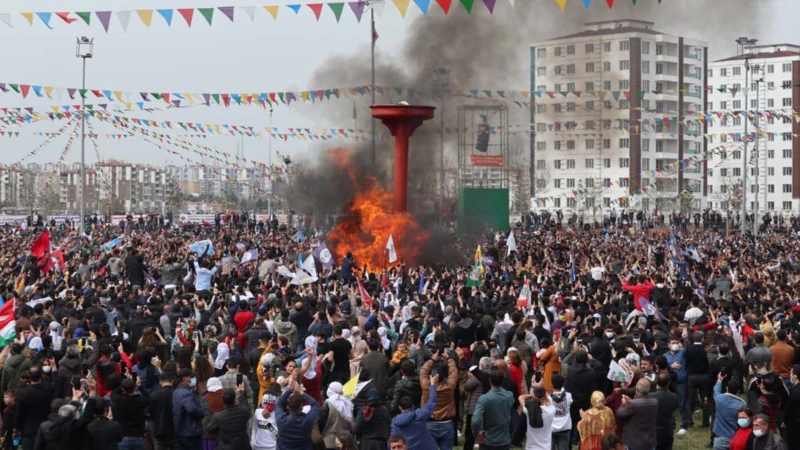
x,y
590,198
730,192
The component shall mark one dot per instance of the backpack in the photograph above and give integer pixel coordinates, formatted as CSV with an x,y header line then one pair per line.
x,y
534,408
771,412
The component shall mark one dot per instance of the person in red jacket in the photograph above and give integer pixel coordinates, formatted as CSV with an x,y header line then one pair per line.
x,y
241,319
640,290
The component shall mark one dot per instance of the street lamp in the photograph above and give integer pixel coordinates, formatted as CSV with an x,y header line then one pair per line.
x,y
84,49
744,42
442,77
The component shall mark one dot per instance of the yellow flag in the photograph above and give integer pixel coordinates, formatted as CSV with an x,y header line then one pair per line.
x,y
28,16
48,90
273,10
118,94
146,15
350,387
562,4
402,6
478,255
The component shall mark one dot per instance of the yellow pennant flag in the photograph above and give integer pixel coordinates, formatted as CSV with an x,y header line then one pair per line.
x,y
562,4
28,16
48,90
118,94
402,6
273,10
146,15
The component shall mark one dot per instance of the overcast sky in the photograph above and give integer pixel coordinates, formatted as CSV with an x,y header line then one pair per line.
x,y
261,56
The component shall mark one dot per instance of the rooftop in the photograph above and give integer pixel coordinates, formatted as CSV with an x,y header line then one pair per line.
x,y
609,27
765,52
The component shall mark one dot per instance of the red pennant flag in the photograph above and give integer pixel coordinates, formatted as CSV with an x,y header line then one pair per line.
x,y
226,99
65,17
40,250
317,8
165,96
365,298
25,88
610,3
445,5
187,14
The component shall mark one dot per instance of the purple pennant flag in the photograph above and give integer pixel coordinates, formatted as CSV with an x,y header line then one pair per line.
x,y
207,98
227,10
105,18
71,92
651,310
144,96
3,87
358,9
250,256
149,278
177,103
323,255
29,109
490,5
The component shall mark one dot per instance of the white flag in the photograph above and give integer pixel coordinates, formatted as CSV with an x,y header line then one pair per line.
x,y
511,243
392,250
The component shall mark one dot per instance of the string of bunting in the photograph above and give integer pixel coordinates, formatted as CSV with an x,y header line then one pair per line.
x,y
35,151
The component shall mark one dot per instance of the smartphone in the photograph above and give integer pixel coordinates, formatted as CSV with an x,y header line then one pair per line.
x,y
239,379
580,342
76,383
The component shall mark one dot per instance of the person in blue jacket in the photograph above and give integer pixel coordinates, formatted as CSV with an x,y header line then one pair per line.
x,y
187,414
294,426
411,422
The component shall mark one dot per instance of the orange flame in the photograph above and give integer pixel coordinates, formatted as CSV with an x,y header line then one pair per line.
x,y
369,221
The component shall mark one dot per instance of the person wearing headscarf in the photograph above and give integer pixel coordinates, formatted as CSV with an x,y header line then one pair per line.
x,y
359,350
264,372
385,341
372,423
55,333
36,344
223,353
211,402
336,414
595,423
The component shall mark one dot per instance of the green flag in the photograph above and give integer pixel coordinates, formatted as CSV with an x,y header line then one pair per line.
x,y
475,276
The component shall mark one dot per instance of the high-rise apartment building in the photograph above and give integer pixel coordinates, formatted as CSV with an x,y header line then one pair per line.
x,y
759,83
607,129
132,187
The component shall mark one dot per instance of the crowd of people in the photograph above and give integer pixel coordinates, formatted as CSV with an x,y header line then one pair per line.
x,y
554,337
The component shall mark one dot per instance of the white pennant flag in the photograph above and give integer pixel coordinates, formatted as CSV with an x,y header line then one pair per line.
x,y
250,11
512,3
6,18
124,18
511,243
377,6
392,250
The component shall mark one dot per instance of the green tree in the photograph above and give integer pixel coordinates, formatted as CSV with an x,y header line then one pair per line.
x,y
49,202
176,197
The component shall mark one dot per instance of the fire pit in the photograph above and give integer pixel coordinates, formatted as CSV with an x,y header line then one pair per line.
x,y
402,121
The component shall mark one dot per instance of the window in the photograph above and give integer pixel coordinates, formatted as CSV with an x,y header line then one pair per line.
x,y
606,163
737,171
737,154
589,48
771,171
624,143
606,143
570,145
710,73
737,71
541,164
787,188
645,145
645,48
589,144
589,67
557,70
770,189
557,145
770,68
770,154
557,202
589,106
607,200
646,85
570,49
590,163
557,51
787,153
607,83
570,182
623,182
557,164
557,87
541,184
645,66
540,108
571,105
710,106
571,202
770,86
737,104
770,103
787,206
787,136
541,52
787,170
557,108
753,104
624,85
607,67
659,146
624,104
737,121
570,87
541,71
624,45
710,189
557,183
606,46
787,101
787,84
645,164
646,105
723,72
723,105
624,64
723,189
541,146
570,163
624,163
659,49
659,68
787,67
589,183
589,86
570,68
541,87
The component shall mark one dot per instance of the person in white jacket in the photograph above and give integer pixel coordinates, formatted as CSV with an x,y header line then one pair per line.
x,y
265,431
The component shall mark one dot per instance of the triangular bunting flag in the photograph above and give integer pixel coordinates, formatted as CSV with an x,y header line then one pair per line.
x,y
65,17
562,4
610,3
167,15
273,10
124,18
249,10
104,17
28,16
207,13
512,3
6,18
227,11
490,5
445,5
187,14
423,6
294,7
317,8
146,16
402,6
468,5
358,9
587,3
377,7
45,17
337,9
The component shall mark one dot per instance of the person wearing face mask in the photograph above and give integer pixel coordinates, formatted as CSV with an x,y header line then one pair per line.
x,y
728,405
763,438
187,414
265,432
677,362
744,431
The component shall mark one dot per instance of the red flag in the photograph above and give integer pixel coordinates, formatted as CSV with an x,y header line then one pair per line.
x,y
374,34
385,281
41,251
58,258
365,298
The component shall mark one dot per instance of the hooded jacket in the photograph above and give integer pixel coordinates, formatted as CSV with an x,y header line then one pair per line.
x,y
463,332
406,387
288,329
15,364
412,425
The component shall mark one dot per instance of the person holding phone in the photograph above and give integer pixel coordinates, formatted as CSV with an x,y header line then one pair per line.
x,y
233,379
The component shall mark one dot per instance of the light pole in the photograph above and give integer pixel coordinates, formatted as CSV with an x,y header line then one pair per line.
x,y
745,42
757,149
269,168
373,38
84,49
442,82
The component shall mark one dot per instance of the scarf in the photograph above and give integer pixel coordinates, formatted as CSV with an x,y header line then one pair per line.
x,y
339,402
384,340
215,403
398,356
223,353
373,401
311,343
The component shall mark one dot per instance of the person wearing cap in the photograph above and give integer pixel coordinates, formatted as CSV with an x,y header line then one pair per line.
x,y
265,432
187,414
212,403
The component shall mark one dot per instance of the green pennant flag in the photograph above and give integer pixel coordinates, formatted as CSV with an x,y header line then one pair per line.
x,y
89,107
156,95
488,93
207,13
86,16
634,2
337,9
474,278
640,94
328,94
15,87
564,93
722,89
468,5
280,95
83,92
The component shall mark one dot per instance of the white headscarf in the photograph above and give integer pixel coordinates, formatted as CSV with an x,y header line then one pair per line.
x,y
311,373
55,334
384,340
339,402
223,353
36,343
355,335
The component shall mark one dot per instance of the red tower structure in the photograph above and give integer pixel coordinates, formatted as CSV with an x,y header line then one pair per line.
x,y
402,121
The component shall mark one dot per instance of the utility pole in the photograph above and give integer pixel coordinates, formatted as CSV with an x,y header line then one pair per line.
x,y
757,149
84,50
442,82
269,168
373,38
744,42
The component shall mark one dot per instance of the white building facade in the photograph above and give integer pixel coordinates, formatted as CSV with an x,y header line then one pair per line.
x,y
607,120
766,94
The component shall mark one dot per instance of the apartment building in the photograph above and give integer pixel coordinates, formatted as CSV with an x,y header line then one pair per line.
x,y
606,120
69,189
134,187
757,83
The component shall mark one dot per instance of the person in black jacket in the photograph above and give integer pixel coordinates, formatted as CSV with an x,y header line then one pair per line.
x,y
372,423
581,382
129,405
103,433
230,425
134,269
160,411
33,407
665,417
697,370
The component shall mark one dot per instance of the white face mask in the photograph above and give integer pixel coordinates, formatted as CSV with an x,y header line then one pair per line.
x,y
674,347
758,432
609,335
46,369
